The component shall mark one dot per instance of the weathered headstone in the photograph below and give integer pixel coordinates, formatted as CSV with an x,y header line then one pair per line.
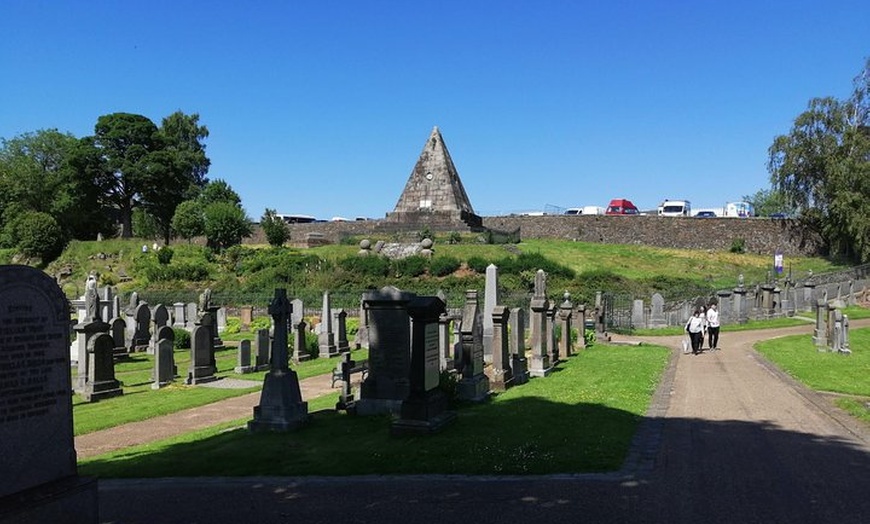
x,y
159,318
552,343
201,367
345,397
637,314
581,326
191,312
340,323
540,365
281,407
473,386
101,381
566,314
262,342
164,364
501,375
141,331
39,481
246,316
118,330
657,317
179,315
490,300
221,319
326,339
243,360
388,381
444,342
425,409
300,352
517,345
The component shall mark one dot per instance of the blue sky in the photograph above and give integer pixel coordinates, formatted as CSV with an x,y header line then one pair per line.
x,y
322,107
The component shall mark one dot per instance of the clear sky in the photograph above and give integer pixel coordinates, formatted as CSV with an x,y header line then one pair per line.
x,y
322,107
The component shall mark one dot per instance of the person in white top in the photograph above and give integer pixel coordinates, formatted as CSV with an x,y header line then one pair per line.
x,y
695,329
713,326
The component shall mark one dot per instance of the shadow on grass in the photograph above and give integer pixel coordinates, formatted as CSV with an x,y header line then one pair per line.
x,y
706,471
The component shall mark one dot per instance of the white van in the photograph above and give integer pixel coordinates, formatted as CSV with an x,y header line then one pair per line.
x,y
739,209
675,208
585,210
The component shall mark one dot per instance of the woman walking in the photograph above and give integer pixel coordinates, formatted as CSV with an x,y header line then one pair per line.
x,y
695,329
713,327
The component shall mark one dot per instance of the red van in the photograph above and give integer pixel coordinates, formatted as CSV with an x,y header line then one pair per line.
x,y
621,206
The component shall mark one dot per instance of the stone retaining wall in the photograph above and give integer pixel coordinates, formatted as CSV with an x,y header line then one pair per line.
x,y
760,235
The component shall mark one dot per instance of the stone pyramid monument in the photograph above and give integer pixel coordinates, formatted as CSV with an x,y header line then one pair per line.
x,y
434,195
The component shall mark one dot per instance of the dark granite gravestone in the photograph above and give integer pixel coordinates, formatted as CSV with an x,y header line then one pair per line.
x,y
38,477
141,330
473,386
101,369
164,364
243,360
262,360
388,381
425,409
201,367
281,407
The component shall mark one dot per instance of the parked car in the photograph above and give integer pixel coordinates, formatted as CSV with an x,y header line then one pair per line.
x,y
585,210
621,206
705,214
675,208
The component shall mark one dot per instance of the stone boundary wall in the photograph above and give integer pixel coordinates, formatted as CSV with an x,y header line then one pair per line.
x,y
760,235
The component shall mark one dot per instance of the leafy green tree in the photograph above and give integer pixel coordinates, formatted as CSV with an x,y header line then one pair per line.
x,y
769,201
188,220
225,225
125,142
823,168
39,235
218,190
275,228
36,174
177,172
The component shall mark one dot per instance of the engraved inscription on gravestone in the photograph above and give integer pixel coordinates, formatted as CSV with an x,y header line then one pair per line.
x,y
433,358
36,431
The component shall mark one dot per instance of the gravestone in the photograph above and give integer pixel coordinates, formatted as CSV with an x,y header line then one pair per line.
x,y
425,409
39,480
262,341
246,316
281,407
361,340
164,364
517,345
202,368
552,343
191,316
473,386
159,319
501,375
90,326
581,326
179,315
540,365
101,381
243,360
490,300
388,381
820,331
220,320
345,397
300,352
637,316
444,342
326,339
141,328
118,330
566,314
657,317
297,311
340,323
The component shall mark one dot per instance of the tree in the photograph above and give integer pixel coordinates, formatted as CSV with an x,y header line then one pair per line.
x,y
188,220
225,225
766,202
39,235
822,167
275,228
36,174
176,172
218,190
125,142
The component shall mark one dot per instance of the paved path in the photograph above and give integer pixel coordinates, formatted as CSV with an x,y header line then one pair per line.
x,y
728,439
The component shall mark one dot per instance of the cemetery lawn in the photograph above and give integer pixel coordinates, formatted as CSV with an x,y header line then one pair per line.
x,y
140,402
846,376
581,418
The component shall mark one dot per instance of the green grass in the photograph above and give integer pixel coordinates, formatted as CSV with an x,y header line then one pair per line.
x,y
822,370
140,402
579,419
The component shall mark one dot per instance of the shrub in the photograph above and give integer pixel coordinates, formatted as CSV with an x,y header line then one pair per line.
x,y
443,266
477,264
182,338
589,336
259,323
373,266
412,266
234,326
39,235
164,255
454,237
738,245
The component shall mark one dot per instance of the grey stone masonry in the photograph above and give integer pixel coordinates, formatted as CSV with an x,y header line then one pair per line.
x,y
501,374
101,382
300,353
39,480
201,367
262,341
340,323
164,364
243,358
281,407
566,315
490,299
540,365
473,386
326,338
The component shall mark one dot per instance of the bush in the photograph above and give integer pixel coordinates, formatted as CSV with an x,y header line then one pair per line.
x,y
738,245
412,266
589,336
477,264
164,255
39,235
443,266
182,338
373,266
454,237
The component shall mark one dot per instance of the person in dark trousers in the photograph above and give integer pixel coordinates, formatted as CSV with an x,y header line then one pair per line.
x,y
695,328
713,327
